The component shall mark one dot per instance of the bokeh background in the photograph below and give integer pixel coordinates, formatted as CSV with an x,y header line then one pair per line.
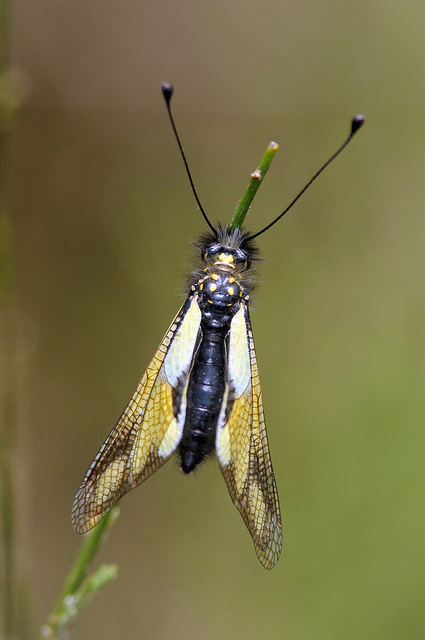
x,y
101,216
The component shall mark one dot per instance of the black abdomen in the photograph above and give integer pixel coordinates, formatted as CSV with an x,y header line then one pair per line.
x,y
204,394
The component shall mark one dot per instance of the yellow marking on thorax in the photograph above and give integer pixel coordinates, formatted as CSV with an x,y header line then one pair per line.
x,y
225,259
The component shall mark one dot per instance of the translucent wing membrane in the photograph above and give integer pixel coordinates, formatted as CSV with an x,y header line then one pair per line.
x,y
148,432
151,428
242,446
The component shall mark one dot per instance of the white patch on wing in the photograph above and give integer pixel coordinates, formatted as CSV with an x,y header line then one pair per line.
x,y
180,353
171,439
222,439
239,358
181,416
174,432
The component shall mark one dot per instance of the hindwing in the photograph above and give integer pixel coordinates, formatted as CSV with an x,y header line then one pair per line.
x,y
148,431
242,446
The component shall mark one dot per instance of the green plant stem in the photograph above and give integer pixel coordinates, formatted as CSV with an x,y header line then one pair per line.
x,y
257,178
8,536
7,395
60,621
90,547
78,587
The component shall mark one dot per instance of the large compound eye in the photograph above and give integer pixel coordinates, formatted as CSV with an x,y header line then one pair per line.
x,y
212,252
242,259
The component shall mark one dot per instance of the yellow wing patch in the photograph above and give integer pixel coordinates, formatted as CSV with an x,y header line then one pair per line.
x,y
143,439
248,469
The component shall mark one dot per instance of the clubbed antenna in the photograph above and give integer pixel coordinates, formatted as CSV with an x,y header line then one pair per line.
x,y
356,123
167,90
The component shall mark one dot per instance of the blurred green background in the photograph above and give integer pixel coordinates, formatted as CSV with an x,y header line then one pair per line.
x,y
101,216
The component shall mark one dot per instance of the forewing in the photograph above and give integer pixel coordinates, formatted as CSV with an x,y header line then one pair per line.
x,y
148,431
242,446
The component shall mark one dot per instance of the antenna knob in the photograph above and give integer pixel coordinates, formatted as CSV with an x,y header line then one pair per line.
x,y
167,91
